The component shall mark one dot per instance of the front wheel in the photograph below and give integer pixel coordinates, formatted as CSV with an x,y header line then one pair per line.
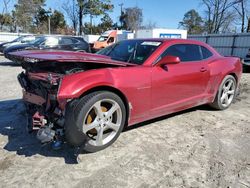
x,y
225,94
96,121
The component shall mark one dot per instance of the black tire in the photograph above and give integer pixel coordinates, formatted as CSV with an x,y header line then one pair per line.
x,y
217,104
246,69
76,113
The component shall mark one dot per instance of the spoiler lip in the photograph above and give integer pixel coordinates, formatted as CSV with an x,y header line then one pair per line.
x,y
65,56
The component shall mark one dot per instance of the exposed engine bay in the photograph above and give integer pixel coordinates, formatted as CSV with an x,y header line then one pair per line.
x,y
40,83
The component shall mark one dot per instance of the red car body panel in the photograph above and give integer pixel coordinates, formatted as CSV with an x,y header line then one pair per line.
x,y
134,86
67,56
153,91
150,90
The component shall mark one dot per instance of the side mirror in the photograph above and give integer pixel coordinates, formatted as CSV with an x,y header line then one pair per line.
x,y
169,60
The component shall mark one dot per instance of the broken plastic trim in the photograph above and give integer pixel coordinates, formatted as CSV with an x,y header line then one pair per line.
x,y
31,60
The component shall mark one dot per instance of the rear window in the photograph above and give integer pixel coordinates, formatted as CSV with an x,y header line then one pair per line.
x,y
67,41
206,53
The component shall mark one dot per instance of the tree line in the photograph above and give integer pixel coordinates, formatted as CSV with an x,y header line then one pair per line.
x,y
33,16
220,16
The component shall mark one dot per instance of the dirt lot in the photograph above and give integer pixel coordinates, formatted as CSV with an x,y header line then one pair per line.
x,y
196,148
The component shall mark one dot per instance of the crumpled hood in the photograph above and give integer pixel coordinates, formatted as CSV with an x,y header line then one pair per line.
x,y
65,56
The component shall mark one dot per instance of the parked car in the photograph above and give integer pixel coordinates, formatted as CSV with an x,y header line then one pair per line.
x,y
246,62
53,43
106,39
110,37
19,40
90,98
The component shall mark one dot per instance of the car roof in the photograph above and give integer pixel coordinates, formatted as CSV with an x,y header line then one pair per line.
x,y
177,41
169,40
59,36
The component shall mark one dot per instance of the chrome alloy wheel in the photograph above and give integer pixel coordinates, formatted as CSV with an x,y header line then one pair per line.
x,y
102,122
228,92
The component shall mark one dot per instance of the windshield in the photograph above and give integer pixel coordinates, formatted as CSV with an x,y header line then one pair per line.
x,y
38,41
133,51
18,39
102,38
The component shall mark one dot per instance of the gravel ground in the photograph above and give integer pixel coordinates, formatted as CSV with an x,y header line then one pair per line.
x,y
195,148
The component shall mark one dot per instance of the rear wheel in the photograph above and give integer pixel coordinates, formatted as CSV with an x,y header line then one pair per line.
x,y
225,94
98,120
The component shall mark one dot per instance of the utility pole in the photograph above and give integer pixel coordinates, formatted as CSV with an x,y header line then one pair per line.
x,y
49,13
49,25
121,5
91,24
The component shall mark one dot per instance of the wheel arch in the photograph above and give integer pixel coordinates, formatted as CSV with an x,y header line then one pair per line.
x,y
235,76
113,90
221,79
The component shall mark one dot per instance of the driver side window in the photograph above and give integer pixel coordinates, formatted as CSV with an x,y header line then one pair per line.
x,y
111,40
186,52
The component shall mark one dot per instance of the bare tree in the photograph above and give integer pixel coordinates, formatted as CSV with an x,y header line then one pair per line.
x,y
71,9
81,4
5,7
5,17
242,10
219,13
133,18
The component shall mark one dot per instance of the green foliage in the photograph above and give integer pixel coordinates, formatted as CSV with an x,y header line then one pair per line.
x,y
31,16
95,7
192,22
106,24
5,20
92,8
26,11
57,22
41,16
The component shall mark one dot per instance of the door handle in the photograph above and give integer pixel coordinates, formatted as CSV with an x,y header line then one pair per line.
x,y
203,69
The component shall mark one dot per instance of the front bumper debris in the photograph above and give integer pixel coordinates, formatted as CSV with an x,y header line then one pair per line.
x,y
34,99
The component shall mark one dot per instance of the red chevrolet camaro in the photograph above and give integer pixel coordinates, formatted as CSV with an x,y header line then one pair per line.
x,y
89,98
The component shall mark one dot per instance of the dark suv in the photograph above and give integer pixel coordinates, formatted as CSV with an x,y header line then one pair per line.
x,y
67,43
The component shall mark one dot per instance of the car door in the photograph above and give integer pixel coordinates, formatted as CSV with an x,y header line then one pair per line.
x,y
177,86
66,43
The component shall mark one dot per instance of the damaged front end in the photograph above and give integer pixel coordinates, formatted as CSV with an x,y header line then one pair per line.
x,y
45,113
53,78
